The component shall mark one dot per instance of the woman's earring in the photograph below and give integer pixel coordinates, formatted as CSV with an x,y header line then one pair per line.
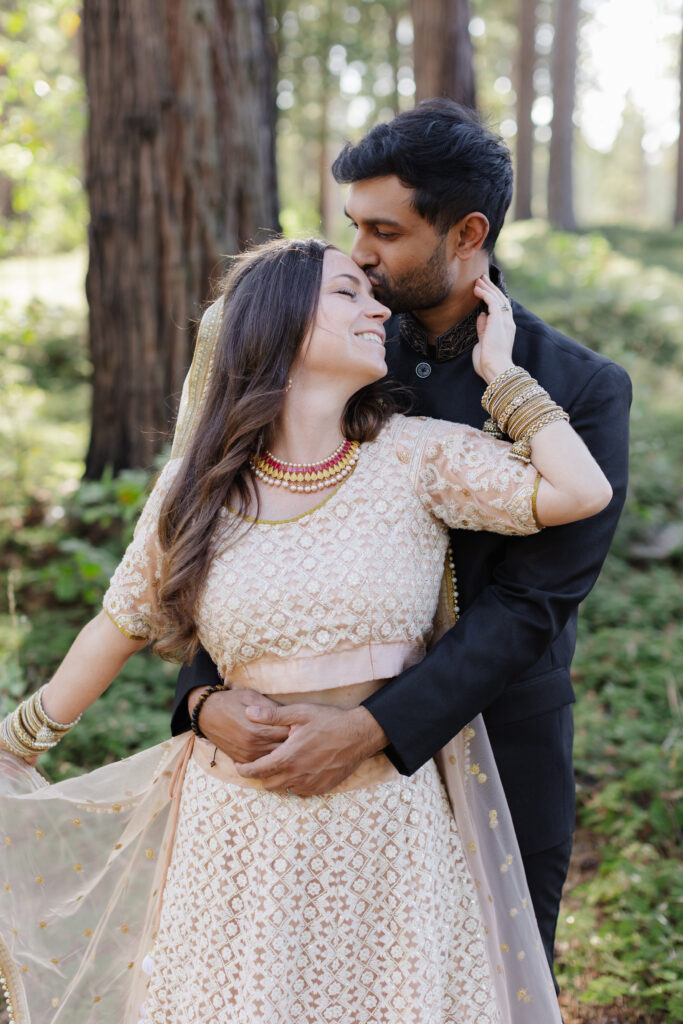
x,y
289,384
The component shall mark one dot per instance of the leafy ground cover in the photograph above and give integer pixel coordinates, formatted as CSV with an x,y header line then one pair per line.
x,y
618,290
620,931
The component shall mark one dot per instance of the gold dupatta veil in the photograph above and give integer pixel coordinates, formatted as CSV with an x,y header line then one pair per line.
x,y
83,862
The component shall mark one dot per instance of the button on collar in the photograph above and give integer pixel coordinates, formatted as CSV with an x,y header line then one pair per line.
x,y
423,370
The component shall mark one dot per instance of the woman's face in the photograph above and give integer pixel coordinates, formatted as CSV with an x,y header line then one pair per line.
x,y
346,343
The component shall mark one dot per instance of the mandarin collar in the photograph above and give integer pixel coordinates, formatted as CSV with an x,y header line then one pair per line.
x,y
457,339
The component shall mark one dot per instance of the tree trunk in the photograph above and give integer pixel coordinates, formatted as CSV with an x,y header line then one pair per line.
x,y
324,173
325,179
6,190
678,213
442,50
180,170
561,172
394,55
526,62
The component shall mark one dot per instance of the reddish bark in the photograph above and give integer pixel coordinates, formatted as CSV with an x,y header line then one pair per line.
x,y
180,171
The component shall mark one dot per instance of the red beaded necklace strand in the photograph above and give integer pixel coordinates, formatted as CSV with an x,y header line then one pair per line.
x,y
303,476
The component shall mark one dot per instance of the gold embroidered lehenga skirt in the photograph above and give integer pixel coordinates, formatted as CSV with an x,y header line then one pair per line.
x,y
158,889
356,907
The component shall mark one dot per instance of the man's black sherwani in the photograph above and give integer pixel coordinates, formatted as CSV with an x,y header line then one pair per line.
x,y
509,654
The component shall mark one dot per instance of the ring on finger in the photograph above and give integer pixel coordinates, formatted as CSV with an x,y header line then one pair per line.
x,y
506,307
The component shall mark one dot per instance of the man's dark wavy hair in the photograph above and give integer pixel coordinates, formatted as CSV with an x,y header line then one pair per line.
x,y
454,163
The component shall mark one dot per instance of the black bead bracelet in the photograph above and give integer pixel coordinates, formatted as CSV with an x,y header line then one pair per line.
x,y
194,717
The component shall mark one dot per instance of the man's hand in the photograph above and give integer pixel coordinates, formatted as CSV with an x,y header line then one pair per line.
x,y
325,745
223,721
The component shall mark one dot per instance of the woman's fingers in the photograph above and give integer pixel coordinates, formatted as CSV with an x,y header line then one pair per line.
x,y
490,293
495,330
482,320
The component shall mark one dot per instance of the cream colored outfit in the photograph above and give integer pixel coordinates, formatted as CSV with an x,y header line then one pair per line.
x,y
391,900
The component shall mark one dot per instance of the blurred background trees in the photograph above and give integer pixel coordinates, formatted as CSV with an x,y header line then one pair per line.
x,y
204,123
678,213
524,83
442,50
180,169
561,164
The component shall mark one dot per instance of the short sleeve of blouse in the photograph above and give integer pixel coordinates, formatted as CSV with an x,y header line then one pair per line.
x,y
467,478
130,602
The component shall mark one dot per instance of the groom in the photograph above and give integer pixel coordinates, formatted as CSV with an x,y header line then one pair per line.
x,y
428,196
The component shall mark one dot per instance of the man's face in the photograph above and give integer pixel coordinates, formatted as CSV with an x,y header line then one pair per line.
x,y
405,257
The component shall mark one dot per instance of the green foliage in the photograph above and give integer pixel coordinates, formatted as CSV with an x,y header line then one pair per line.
x,y
61,540
42,110
59,573
43,373
600,293
621,931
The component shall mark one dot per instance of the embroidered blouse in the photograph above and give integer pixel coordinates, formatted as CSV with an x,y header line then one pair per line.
x,y
347,591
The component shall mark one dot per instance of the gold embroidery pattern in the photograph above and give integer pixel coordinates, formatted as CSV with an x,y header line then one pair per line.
x,y
363,568
351,906
465,477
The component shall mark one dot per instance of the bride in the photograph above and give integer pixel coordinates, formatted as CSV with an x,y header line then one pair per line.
x,y
301,537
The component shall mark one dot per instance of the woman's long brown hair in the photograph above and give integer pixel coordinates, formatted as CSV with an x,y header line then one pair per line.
x,y
270,304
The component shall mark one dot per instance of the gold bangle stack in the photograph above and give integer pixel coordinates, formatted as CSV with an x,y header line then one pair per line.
x,y
28,731
519,407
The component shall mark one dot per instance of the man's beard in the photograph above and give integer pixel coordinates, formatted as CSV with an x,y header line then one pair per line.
x,y
421,288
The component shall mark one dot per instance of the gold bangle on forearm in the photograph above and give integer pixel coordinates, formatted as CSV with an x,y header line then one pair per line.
x,y
554,416
63,727
18,741
527,429
521,449
529,410
520,399
499,405
519,406
498,382
502,387
522,419
509,390
37,743
28,731
39,735
33,724
9,741
501,396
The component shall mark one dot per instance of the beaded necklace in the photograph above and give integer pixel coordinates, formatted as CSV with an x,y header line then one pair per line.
x,y
307,476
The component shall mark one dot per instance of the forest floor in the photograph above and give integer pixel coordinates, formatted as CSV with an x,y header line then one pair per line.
x,y
616,289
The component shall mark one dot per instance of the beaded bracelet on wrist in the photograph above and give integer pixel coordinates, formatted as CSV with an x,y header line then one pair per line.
x,y
194,717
